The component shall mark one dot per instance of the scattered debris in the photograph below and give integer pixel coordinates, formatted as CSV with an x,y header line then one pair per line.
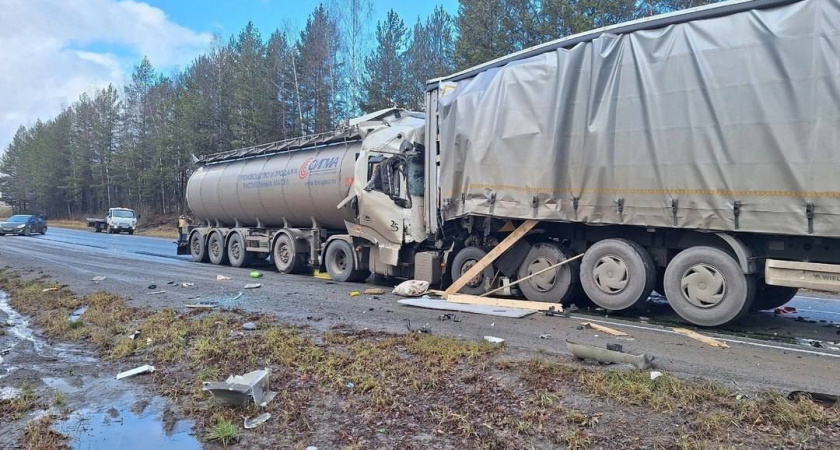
x,y
422,330
602,355
824,399
152,286
52,289
545,336
354,293
554,312
785,310
237,297
157,292
321,275
134,335
654,375
201,306
136,371
253,286
255,274
256,421
250,326
699,337
615,347
430,303
77,314
448,316
603,329
411,288
493,339
171,283
99,278
374,291
350,385
239,389
221,278
187,284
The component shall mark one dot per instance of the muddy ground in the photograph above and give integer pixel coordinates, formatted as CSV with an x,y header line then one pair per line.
x,y
529,393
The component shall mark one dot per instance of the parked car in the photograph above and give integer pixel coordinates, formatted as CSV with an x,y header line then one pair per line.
x,y
23,225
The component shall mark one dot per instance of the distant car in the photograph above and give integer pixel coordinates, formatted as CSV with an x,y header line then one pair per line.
x,y
23,225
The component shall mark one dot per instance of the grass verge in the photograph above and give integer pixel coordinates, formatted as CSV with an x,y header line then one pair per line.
x,y
360,389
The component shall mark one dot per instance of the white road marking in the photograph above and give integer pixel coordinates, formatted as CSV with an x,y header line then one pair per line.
x,y
734,341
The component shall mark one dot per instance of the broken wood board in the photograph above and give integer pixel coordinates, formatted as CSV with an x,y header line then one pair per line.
x,y
603,329
699,337
443,305
491,256
491,301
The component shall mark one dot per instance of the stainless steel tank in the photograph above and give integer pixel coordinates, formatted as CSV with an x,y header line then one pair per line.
x,y
296,185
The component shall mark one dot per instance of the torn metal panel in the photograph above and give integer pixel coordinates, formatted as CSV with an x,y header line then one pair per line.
x,y
240,389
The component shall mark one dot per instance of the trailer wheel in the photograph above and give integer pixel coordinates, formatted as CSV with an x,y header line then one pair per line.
x,y
198,248
707,287
554,285
216,249
237,255
464,261
341,263
285,255
771,297
616,274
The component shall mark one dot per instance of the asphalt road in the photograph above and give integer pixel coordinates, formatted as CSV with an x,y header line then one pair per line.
x,y
792,352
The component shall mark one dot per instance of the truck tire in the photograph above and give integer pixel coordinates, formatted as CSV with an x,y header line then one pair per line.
x,y
216,249
237,255
198,248
464,260
285,255
341,262
554,285
616,274
707,287
772,297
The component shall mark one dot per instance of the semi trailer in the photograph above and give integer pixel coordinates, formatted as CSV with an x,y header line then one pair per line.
x,y
693,153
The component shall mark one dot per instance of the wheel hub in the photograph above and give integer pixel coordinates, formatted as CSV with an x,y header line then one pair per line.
x,y
476,280
235,250
545,281
703,286
341,261
283,253
214,247
196,246
611,274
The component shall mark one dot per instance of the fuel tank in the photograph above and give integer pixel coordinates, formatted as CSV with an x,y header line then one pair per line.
x,y
297,185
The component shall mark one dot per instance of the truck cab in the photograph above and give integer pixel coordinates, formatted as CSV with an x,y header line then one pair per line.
x,y
117,220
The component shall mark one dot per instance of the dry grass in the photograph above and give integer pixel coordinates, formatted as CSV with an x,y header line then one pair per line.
x,y
163,231
366,389
39,435
15,408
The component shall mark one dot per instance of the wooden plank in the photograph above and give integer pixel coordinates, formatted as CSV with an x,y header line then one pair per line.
x,y
488,259
701,338
490,301
603,329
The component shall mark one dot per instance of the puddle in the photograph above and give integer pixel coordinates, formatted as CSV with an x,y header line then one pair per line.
x,y
127,423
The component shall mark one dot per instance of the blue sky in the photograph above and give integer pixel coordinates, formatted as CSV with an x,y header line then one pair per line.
x,y
229,16
55,50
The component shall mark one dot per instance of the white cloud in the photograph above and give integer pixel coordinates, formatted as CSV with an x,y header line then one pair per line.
x,y
49,56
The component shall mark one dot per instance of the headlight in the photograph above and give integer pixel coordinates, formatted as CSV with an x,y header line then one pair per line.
x,y
21,226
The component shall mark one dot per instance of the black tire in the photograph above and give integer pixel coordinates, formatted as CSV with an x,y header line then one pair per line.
x,y
198,248
237,255
341,263
465,259
707,287
26,231
772,297
216,249
556,285
285,255
617,274
131,231
44,230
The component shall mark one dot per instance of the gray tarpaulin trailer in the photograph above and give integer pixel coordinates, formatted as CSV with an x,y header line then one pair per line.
x,y
692,153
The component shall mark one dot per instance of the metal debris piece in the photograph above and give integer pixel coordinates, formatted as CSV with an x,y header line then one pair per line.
x,y
52,289
157,292
187,284
615,347
375,291
493,339
240,389
76,315
253,423
237,297
602,355
134,335
136,371
655,374
201,306
99,278
250,326
152,286
545,336
253,286
221,277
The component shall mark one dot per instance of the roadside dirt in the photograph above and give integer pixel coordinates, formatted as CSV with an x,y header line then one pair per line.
x,y
350,388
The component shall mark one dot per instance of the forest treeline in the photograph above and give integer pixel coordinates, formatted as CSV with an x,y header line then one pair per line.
x,y
130,146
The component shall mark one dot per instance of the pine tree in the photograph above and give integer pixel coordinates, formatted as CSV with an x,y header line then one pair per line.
x,y
385,84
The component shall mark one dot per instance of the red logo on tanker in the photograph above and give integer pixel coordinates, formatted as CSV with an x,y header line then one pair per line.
x,y
303,172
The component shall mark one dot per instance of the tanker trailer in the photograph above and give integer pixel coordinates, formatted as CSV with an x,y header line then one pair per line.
x,y
297,200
